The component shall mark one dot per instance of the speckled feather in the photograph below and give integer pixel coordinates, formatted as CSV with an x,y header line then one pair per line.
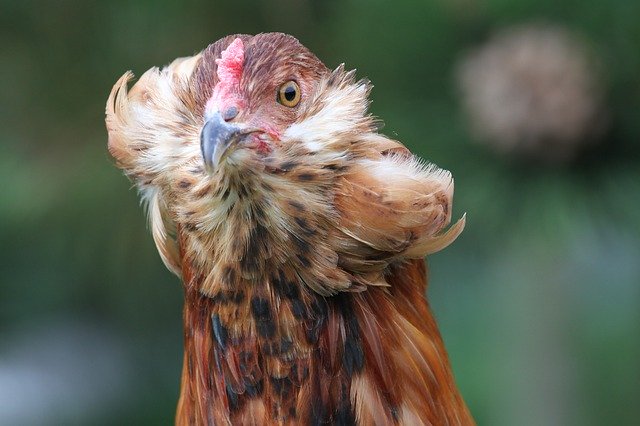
x,y
301,264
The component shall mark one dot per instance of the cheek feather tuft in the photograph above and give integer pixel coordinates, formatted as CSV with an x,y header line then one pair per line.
x,y
230,67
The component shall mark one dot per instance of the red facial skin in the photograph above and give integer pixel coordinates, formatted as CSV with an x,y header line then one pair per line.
x,y
229,94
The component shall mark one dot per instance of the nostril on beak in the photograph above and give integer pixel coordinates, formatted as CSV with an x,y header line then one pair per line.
x,y
230,113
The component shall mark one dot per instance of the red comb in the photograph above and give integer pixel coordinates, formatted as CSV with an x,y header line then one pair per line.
x,y
230,63
226,92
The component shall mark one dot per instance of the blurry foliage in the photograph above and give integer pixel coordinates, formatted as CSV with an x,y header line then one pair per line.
x,y
539,299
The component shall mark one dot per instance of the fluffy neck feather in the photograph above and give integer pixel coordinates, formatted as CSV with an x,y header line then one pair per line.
x,y
272,252
264,215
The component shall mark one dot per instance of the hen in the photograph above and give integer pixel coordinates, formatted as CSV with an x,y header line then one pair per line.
x,y
299,233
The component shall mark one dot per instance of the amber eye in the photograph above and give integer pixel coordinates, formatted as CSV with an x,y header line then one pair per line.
x,y
289,94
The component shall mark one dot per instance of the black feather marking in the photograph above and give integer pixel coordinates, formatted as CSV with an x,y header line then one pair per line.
x,y
306,177
335,167
259,215
261,311
304,260
227,297
305,228
319,411
289,165
284,287
297,205
282,386
220,298
232,397
352,357
302,245
253,388
353,354
344,414
285,345
317,317
242,191
245,359
219,332
319,307
238,297
256,241
226,193
299,373
266,329
216,358
292,290
298,309
394,413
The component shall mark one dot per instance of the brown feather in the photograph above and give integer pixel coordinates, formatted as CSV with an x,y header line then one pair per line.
x,y
301,257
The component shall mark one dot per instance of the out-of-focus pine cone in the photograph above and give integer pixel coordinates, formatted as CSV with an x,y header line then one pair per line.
x,y
534,91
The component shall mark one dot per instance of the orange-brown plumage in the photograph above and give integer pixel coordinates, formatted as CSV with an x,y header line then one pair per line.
x,y
299,233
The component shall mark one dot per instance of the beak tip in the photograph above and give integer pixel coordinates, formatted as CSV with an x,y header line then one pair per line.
x,y
216,137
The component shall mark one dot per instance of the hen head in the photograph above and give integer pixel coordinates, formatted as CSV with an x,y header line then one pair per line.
x,y
253,155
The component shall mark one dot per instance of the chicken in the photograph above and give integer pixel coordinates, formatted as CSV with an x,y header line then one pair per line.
x,y
299,233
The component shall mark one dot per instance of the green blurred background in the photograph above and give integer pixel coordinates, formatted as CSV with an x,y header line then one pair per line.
x,y
538,300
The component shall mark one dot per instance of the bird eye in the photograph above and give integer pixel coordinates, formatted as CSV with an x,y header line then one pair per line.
x,y
289,94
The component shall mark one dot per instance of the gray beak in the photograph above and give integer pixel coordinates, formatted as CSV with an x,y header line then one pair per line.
x,y
216,138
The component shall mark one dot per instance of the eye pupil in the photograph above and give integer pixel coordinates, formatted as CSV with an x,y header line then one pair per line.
x,y
290,93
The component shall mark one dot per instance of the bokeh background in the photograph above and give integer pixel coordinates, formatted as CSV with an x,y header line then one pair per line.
x,y
534,105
